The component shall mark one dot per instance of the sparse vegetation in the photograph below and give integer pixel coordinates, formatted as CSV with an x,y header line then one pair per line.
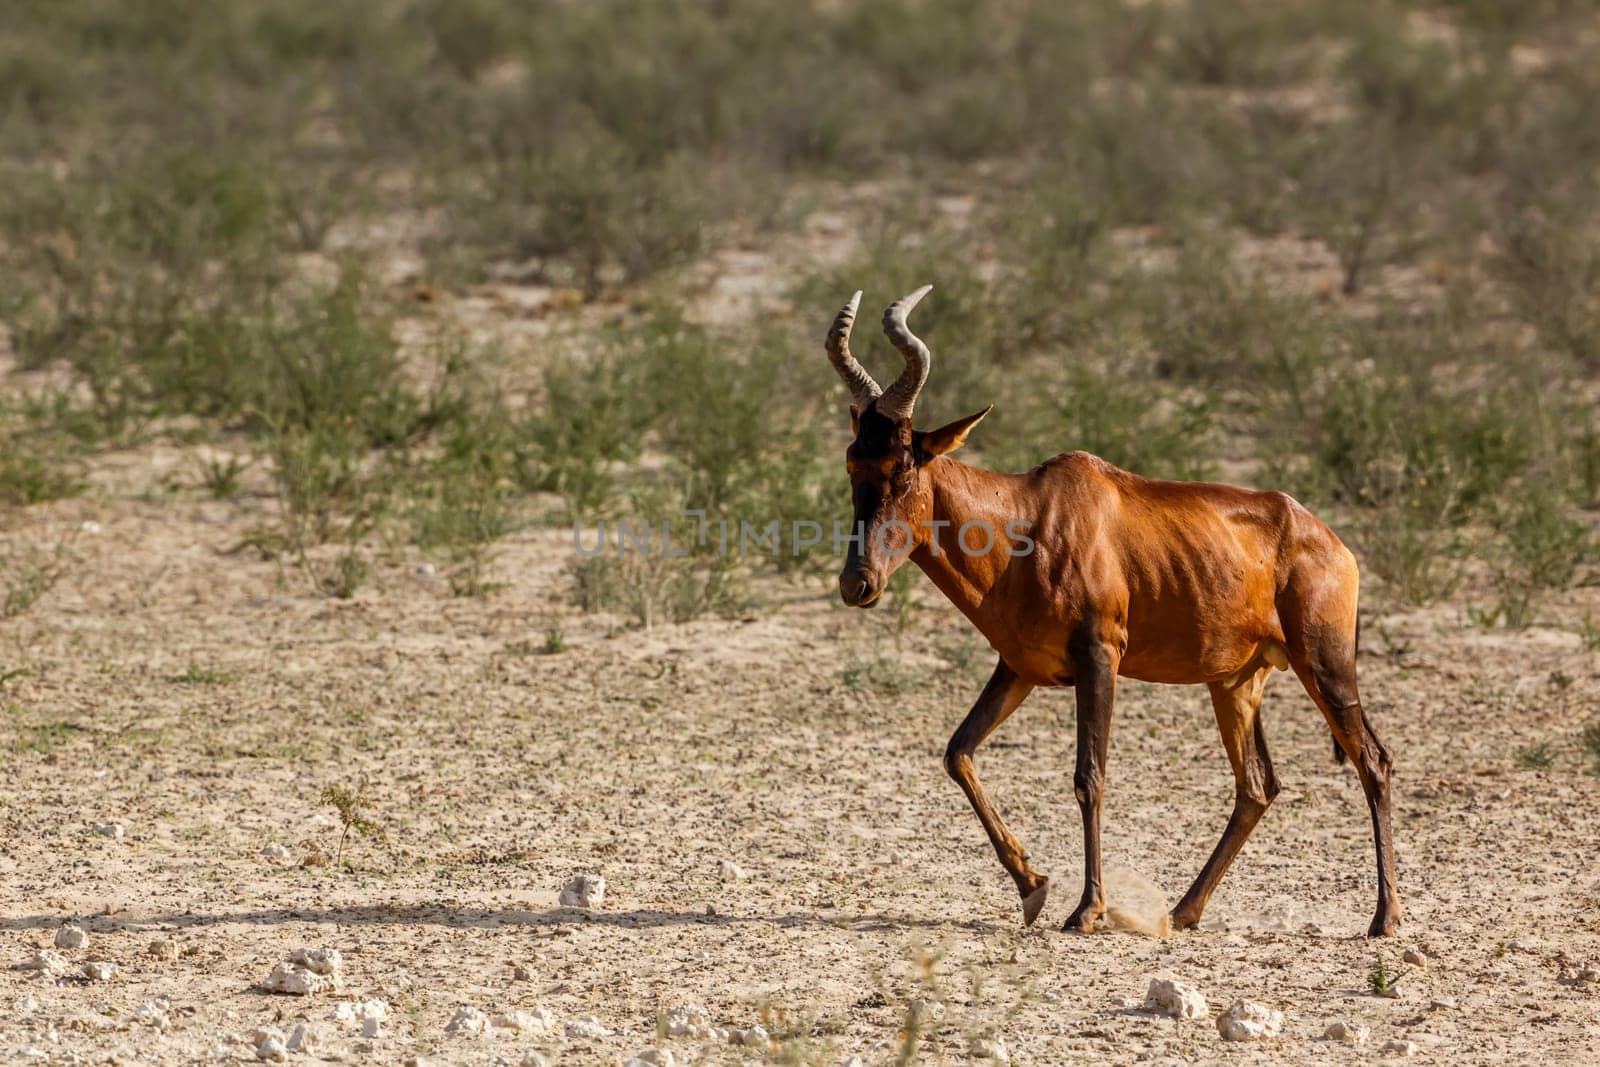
x,y
1383,982
354,809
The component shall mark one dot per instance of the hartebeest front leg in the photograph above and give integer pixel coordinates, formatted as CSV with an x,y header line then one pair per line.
x,y
999,699
1094,671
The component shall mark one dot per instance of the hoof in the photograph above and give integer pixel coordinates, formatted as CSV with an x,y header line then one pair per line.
x,y
1384,926
1083,919
1033,903
1183,920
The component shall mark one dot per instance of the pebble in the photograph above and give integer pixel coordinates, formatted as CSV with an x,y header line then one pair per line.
x,y
730,871
301,1039
72,936
307,972
534,1059
755,1037
586,1028
1414,957
535,1023
468,1022
584,891
276,853
156,1013
989,1048
269,1045
1347,1033
98,970
521,972
1396,1047
1176,999
27,1005
89,526
362,1012
1249,1020
46,960
687,1020
925,1011
426,570
653,1057
163,949
1444,1003
113,830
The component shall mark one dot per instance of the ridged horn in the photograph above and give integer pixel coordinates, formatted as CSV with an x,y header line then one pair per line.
x,y
863,390
898,400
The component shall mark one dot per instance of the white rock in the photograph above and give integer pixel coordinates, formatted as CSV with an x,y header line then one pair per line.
x,y
584,891
1396,1047
925,1011
1249,1020
26,1005
98,970
371,1027
156,1013
1414,957
276,853
989,1048
1444,1003
653,1057
164,949
269,1045
730,871
719,1033
307,972
89,526
687,1020
46,960
302,1039
535,1023
361,1012
113,830
72,936
755,1037
1175,998
534,1059
324,961
426,570
1347,1033
586,1028
468,1022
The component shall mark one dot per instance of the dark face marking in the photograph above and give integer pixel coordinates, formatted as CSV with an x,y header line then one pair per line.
x,y
882,464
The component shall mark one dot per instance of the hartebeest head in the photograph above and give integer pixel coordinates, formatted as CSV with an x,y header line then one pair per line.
x,y
889,463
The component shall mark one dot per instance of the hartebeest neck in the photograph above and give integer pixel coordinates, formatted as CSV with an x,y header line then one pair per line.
x,y
986,504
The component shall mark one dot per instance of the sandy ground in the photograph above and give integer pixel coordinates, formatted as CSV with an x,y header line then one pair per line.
x,y
203,702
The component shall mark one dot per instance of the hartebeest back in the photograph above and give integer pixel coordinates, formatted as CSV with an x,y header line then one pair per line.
x,y
1078,572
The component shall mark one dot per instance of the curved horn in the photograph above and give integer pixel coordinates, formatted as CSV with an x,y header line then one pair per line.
x,y
898,399
863,390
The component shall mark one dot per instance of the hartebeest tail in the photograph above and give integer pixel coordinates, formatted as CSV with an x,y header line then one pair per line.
x,y
1078,573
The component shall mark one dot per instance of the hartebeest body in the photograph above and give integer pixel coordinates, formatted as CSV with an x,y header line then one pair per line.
x,y
1078,572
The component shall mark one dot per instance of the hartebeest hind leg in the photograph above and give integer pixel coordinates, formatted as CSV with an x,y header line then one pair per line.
x,y
999,699
1330,677
1094,670
1238,708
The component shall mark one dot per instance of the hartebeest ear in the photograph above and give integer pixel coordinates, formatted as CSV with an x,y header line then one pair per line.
x,y
952,435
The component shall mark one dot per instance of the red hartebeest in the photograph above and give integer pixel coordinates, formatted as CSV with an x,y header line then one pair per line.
x,y
1078,572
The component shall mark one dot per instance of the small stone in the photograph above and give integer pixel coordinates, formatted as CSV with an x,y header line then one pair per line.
x,y
26,1005
730,871
1347,1033
653,1057
1414,957
687,1020
534,1059
535,1023
371,1027
1175,999
98,970
113,830
301,1039
46,960
89,526
361,1012
426,570
754,1037
163,949
1249,1020
584,891
297,981
925,1011
276,853
324,961
468,1022
586,1028
989,1048
269,1045
1444,1003
719,1033
156,1013
72,936
1396,1047
521,972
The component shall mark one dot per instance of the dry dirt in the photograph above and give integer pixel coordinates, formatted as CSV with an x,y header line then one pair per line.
x,y
203,700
